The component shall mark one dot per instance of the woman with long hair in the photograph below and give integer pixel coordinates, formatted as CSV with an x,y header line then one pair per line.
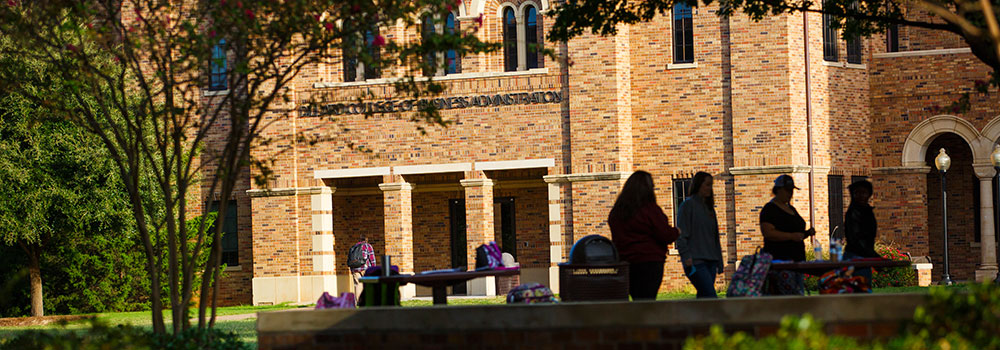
x,y
641,232
698,244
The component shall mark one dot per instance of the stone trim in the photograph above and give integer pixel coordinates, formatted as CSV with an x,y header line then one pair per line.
x,y
515,164
476,182
459,76
898,170
395,186
211,93
584,177
922,53
845,65
352,172
682,65
984,171
777,169
288,191
431,168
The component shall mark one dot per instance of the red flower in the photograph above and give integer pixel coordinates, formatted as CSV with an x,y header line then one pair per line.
x,y
355,8
249,13
447,7
479,20
211,33
222,2
378,41
71,47
239,4
458,2
11,3
329,26
316,17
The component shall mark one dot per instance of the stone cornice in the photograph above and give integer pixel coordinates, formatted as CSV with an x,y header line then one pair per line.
x,y
895,170
922,53
582,177
395,186
476,182
288,191
776,169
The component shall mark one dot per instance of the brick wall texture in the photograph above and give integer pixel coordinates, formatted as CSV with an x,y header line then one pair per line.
x,y
741,112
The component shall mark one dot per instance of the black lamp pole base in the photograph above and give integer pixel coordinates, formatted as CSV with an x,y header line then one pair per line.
x,y
946,281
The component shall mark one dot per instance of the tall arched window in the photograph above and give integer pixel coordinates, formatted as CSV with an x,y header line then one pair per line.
x,y
531,36
426,32
451,56
218,77
509,40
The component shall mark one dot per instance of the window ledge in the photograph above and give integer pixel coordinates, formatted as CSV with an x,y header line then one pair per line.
x,y
975,244
922,53
234,268
457,76
845,65
207,92
682,65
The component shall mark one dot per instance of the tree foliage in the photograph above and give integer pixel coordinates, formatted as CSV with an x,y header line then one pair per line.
x,y
135,71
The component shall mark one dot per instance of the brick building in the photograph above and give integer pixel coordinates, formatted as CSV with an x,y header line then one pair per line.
x,y
538,151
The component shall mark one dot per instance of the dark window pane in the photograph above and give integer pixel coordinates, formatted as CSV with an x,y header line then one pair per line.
x,y
854,50
509,40
230,233
681,189
371,70
531,36
451,56
426,32
835,184
829,39
350,64
683,22
218,79
892,39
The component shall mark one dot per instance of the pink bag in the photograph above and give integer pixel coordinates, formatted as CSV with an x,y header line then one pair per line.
x,y
327,301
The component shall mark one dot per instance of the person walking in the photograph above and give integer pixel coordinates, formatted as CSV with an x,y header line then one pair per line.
x,y
360,258
641,233
860,227
698,244
784,233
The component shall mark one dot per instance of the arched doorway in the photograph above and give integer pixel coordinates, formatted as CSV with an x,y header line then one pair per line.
x,y
964,226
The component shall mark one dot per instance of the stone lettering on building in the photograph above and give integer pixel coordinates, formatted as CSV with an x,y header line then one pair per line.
x,y
443,103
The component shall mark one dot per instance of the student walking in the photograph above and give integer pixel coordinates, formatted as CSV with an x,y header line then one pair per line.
x,y
698,244
360,258
641,233
860,227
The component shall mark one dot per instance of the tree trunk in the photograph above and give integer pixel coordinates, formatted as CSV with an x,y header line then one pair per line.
x,y
35,276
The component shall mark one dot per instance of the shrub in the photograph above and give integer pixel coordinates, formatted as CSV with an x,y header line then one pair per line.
x,y
795,333
893,277
100,336
949,314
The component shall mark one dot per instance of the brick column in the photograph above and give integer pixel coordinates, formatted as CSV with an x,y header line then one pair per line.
x,y
479,225
399,229
988,265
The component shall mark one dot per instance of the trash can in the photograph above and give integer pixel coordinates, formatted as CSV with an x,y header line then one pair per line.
x,y
593,272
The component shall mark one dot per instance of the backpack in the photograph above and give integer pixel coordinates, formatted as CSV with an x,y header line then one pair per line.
x,y
356,256
327,301
530,293
489,256
748,281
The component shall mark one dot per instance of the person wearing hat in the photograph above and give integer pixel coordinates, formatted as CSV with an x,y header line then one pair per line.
x,y
784,231
783,228
860,226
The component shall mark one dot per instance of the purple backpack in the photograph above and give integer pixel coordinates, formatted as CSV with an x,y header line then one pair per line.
x,y
489,256
748,281
327,301
530,293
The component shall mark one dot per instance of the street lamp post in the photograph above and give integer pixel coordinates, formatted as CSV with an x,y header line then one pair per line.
x,y
995,159
943,162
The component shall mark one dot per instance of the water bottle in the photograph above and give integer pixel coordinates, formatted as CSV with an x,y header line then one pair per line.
x,y
817,250
834,250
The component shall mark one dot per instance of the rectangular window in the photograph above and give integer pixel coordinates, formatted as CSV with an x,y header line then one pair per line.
x,y
230,234
683,33
854,49
218,79
681,189
892,38
372,71
835,184
829,39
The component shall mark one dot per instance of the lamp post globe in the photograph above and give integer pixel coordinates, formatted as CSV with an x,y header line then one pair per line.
x,y
995,159
943,162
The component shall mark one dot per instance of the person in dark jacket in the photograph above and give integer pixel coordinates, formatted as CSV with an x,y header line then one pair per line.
x,y
641,233
860,226
698,244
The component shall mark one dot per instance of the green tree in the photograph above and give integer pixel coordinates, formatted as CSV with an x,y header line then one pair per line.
x,y
135,69
58,192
